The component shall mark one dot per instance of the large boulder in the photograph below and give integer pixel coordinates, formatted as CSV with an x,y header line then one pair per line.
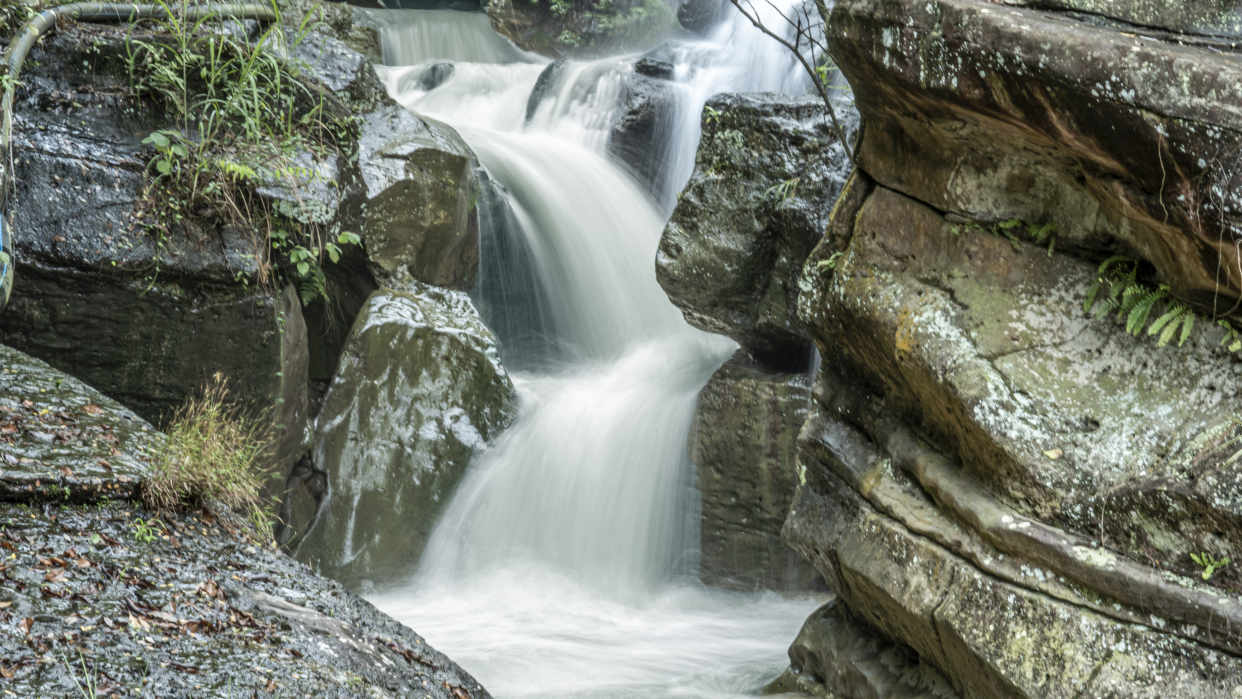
x,y
641,133
420,214
744,446
419,392
766,173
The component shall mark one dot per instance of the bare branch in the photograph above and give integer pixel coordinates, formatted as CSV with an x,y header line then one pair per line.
x,y
753,17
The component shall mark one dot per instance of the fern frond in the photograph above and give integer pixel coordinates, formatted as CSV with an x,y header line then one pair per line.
x,y
1142,310
1011,223
1106,307
1131,296
1110,262
1188,323
1041,233
1052,243
1174,320
1170,315
1091,294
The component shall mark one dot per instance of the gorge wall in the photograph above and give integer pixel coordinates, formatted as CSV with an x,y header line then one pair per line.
x,y
1004,490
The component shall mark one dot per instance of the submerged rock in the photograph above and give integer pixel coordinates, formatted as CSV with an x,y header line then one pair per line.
x,y
641,134
767,171
419,392
744,446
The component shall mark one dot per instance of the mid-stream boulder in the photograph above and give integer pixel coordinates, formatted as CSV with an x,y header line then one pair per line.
x,y
744,446
641,135
419,392
766,173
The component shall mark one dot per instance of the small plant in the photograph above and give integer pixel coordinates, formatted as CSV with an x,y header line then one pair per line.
x,y
90,691
1117,288
146,530
1209,563
831,262
244,117
210,456
780,193
713,115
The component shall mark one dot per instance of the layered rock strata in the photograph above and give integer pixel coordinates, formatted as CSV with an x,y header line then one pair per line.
x,y
994,479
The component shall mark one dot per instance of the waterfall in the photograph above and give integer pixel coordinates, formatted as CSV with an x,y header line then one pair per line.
x,y
561,566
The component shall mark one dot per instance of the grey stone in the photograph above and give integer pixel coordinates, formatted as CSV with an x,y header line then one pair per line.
x,y
419,392
767,171
744,444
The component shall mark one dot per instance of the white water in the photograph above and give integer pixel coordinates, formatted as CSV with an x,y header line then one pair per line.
x,y
563,566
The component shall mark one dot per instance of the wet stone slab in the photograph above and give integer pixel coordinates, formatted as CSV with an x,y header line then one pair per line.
x,y
187,605
61,440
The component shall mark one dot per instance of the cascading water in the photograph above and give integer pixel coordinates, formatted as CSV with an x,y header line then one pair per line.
x,y
560,568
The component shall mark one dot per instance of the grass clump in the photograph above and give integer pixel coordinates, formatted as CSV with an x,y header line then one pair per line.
x,y
210,458
246,122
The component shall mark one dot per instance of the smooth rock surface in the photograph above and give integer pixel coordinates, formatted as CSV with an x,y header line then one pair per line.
x,y
731,255
419,392
744,445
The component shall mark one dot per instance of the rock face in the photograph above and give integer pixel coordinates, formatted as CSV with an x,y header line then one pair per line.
x,y
641,134
421,213
418,393
744,444
146,321
149,318
836,655
1125,144
766,174
96,580
996,481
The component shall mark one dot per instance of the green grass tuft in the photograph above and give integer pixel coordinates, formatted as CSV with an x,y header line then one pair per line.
x,y
211,457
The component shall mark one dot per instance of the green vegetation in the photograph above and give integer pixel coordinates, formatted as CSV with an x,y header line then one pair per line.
x,y
1117,288
1007,229
244,118
1209,563
597,23
146,531
210,457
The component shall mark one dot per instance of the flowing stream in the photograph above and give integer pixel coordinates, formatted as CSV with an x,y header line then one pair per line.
x,y
565,565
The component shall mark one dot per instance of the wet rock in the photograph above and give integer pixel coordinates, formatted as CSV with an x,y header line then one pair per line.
x,y
699,16
744,446
1127,144
641,135
837,655
657,63
429,78
1066,417
543,84
1203,17
132,603
418,393
767,171
421,200
63,441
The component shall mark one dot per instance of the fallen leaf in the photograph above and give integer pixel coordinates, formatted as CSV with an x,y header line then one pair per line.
x,y
68,472
271,686
92,409
104,462
6,673
55,575
82,563
59,238
5,605
26,624
1053,454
